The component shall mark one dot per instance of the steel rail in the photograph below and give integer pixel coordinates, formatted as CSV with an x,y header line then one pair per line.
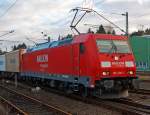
x,y
18,110
139,108
38,101
141,91
125,108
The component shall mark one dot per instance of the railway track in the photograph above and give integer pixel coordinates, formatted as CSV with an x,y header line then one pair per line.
x,y
133,106
141,91
12,108
125,106
143,73
25,105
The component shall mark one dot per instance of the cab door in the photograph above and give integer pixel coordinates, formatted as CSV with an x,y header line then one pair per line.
x,y
76,59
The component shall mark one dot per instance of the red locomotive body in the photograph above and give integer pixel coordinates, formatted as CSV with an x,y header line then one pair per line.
x,y
97,62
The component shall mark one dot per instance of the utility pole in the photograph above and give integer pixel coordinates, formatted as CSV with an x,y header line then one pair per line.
x,y
127,23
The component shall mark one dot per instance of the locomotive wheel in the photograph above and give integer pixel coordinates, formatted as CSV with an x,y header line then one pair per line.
x,y
61,86
52,83
68,89
83,91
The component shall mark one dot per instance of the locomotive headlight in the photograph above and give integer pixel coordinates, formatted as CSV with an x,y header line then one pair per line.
x,y
129,64
131,72
106,64
105,73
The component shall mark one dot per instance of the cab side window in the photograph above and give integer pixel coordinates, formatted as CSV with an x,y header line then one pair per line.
x,y
82,48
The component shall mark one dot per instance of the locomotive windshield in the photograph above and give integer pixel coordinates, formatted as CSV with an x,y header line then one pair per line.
x,y
113,46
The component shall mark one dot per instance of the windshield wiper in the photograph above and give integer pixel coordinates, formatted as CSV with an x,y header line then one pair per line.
x,y
113,48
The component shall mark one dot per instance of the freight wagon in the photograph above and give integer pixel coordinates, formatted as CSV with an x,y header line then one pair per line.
x,y
2,63
10,63
141,49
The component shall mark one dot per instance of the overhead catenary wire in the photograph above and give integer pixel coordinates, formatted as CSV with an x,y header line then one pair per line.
x,y
12,5
8,32
27,38
86,10
108,21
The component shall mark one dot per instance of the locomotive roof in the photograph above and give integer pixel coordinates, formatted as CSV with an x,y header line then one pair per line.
x,y
50,44
78,39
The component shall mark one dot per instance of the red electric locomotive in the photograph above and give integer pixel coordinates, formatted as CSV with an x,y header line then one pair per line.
x,y
99,64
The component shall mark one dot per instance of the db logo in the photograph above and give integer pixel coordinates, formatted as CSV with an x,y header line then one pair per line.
x,y
118,63
42,58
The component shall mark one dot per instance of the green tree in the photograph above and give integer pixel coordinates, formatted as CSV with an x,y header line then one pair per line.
x,y
114,32
147,31
66,37
90,31
101,30
2,52
19,46
24,46
14,47
138,33
69,36
108,32
141,32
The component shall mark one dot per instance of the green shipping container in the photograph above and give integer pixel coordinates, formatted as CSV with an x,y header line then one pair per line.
x,y
141,49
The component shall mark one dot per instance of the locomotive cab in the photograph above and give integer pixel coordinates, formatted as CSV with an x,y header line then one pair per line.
x,y
109,61
117,67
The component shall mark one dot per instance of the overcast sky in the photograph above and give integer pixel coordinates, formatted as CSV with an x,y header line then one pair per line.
x,y
31,17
